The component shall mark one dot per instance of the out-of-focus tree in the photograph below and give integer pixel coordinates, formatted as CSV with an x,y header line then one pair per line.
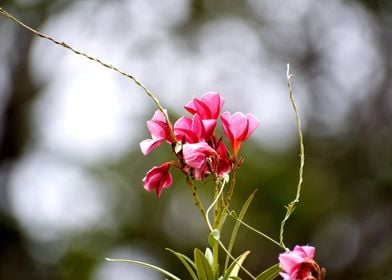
x,y
340,55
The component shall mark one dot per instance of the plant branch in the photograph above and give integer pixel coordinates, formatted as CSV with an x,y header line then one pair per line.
x,y
102,63
196,197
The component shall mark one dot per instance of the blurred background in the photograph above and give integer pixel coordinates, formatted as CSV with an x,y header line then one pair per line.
x,y
70,165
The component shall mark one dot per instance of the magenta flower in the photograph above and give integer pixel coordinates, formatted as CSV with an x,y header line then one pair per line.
x,y
191,130
208,107
158,178
195,155
159,130
238,127
299,264
224,163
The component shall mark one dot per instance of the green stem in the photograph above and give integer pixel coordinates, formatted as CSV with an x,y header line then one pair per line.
x,y
231,188
219,186
291,206
258,232
196,197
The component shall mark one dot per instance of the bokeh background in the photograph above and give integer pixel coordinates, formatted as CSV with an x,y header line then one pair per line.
x,y
71,169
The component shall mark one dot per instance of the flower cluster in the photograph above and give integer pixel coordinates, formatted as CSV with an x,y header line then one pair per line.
x,y
299,264
198,150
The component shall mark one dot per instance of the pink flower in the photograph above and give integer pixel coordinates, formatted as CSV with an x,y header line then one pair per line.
x,y
238,127
192,130
224,163
158,178
195,155
299,264
159,130
208,108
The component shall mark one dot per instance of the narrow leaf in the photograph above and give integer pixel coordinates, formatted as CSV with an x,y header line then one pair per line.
x,y
270,273
237,226
235,266
165,272
203,268
187,262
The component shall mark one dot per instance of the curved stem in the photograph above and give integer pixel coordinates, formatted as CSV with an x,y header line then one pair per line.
x,y
257,231
291,206
214,204
163,271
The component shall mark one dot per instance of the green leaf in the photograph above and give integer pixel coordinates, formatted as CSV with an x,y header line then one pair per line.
x,y
237,226
187,262
235,266
165,272
203,268
213,237
270,273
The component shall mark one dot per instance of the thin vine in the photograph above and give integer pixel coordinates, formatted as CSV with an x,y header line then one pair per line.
x,y
97,60
291,206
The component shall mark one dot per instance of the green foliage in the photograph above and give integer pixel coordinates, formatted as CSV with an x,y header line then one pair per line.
x,y
214,237
187,262
270,273
203,267
233,269
161,270
237,226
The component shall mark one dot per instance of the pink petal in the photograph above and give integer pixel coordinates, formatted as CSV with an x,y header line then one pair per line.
x,y
209,127
225,117
195,155
149,144
214,102
307,251
192,129
157,129
253,123
202,109
159,116
198,127
190,107
238,124
182,127
183,122
200,173
208,106
158,178
224,163
289,260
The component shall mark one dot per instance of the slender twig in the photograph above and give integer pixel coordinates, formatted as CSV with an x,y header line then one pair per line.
x,y
104,64
196,197
157,268
219,241
291,206
253,229
212,206
232,185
